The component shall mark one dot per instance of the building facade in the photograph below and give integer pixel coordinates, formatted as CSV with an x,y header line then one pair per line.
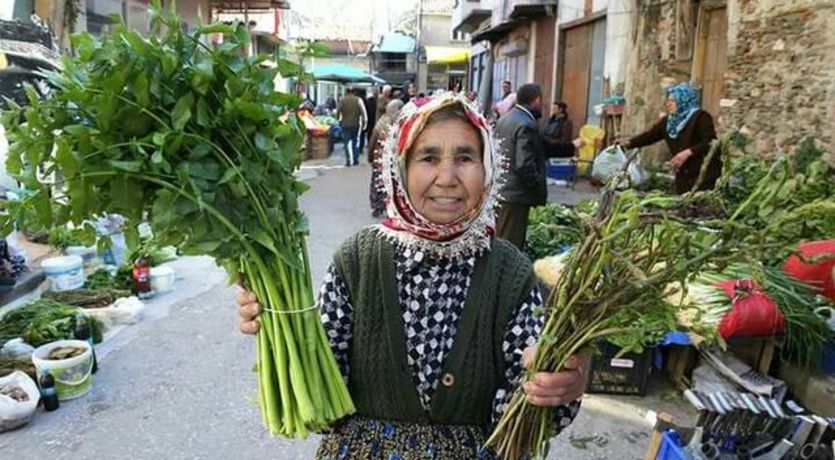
x,y
443,52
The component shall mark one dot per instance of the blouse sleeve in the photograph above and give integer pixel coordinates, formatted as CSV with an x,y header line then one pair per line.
x,y
705,132
651,136
337,315
522,332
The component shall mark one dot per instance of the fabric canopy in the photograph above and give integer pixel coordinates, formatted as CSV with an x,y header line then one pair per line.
x,y
345,74
446,55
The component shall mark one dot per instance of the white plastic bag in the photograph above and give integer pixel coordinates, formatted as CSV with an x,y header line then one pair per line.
x,y
14,413
611,160
17,349
125,310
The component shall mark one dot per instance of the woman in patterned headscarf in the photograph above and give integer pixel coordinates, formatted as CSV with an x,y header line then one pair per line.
x,y
688,131
430,315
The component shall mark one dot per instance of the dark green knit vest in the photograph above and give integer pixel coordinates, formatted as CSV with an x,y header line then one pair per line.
x,y
380,382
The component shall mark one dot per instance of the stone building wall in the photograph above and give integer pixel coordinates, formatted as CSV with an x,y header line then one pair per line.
x,y
651,67
780,80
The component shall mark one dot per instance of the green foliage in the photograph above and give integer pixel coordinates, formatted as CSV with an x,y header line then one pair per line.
x,y
194,138
552,229
43,321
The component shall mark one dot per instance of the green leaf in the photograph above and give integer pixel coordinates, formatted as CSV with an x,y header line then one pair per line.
x,y
264,143
200,151
43,207
75,130
241,35
169,64
130,166
159,139
288,68
65,158
126,198
227,176
203,75
84,45
217,28
157,157
203,118
208,170
136,42
182,111
140,89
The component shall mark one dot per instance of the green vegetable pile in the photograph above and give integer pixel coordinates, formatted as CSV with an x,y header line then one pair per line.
x,y
552,229
43,321
196,140
102,279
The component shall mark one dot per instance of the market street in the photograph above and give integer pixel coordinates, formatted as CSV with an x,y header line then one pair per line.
x,y
179,385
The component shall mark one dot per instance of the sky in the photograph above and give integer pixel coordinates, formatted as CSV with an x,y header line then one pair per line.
x,y
368,13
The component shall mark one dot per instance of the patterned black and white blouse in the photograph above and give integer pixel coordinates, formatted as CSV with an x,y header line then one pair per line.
x,y
432,294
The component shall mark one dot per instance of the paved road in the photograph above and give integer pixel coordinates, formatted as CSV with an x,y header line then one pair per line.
x,y
179,385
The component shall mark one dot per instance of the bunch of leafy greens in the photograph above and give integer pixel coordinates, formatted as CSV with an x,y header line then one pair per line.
x,y
797,205
195,139
552,229
43,321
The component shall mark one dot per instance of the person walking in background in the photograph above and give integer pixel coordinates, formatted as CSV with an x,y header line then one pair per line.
x,y
556,135
383,100
409,91
688,131
371,117
375,148
351,120
523,149
508,100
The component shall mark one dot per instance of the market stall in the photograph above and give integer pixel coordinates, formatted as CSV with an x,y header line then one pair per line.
x,y
728,292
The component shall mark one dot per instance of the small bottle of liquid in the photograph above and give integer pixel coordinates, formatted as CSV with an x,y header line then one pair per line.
x,y
142,277
83,331
49,395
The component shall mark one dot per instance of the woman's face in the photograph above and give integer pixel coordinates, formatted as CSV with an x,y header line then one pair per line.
x,y
445,172
556,110
672,105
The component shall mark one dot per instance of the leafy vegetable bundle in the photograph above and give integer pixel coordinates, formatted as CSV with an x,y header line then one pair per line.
x,y
620,284
194,139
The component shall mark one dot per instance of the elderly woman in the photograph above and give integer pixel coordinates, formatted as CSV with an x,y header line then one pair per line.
x,y
428,314
688,131
381,129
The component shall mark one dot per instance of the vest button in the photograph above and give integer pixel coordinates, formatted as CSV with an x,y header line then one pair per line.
x,y
448,380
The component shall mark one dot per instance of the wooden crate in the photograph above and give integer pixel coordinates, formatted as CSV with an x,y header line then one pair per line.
x,y
317,146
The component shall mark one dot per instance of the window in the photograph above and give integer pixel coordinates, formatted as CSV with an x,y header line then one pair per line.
x,y
392,62
460,36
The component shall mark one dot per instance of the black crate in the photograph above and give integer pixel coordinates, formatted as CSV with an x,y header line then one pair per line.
x,y
625,375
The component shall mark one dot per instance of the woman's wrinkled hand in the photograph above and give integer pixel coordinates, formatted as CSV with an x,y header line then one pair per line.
x,y
557,388
248,310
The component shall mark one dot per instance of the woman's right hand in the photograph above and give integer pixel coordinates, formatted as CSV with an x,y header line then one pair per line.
x,y
248,310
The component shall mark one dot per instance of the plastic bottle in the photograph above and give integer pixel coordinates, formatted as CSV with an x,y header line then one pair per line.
x,y
142,277
83,331
49,395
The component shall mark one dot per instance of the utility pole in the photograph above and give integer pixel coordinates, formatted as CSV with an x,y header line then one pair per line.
x,y
418,43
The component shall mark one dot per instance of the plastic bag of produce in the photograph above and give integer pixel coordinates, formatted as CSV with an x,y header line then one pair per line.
x,y
611,160
820,272
753,314
18,400
125,310
16,349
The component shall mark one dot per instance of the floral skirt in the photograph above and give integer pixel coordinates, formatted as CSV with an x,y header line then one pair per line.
x,y
358,438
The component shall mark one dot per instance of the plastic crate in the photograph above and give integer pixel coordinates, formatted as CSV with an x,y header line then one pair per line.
x,y
564,170
625,375
671,448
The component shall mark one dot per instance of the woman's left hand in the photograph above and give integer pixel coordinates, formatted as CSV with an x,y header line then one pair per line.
x,y
681,157
557,388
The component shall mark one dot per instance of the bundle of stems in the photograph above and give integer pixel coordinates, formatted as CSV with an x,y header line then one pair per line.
x,y
194,140
640,251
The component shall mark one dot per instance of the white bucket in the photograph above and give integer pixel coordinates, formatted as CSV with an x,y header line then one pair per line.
x,y
73,376
89,255
66,273
162,279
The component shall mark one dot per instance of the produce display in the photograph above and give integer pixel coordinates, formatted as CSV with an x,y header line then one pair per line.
x,y
43,321
14,392
195,140
628,279
102,279
552,229
87,298
65,353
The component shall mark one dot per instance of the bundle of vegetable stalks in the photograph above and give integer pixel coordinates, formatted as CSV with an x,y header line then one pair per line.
x,y
195,140
640,253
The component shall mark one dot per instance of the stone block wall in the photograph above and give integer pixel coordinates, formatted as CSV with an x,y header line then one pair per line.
x,y
780,82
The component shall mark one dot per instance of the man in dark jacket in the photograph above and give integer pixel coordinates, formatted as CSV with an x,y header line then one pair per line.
x,y
523,147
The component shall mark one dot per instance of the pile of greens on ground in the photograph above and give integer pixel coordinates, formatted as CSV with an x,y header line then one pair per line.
x,y
43,321
553,229
102,279
194,138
